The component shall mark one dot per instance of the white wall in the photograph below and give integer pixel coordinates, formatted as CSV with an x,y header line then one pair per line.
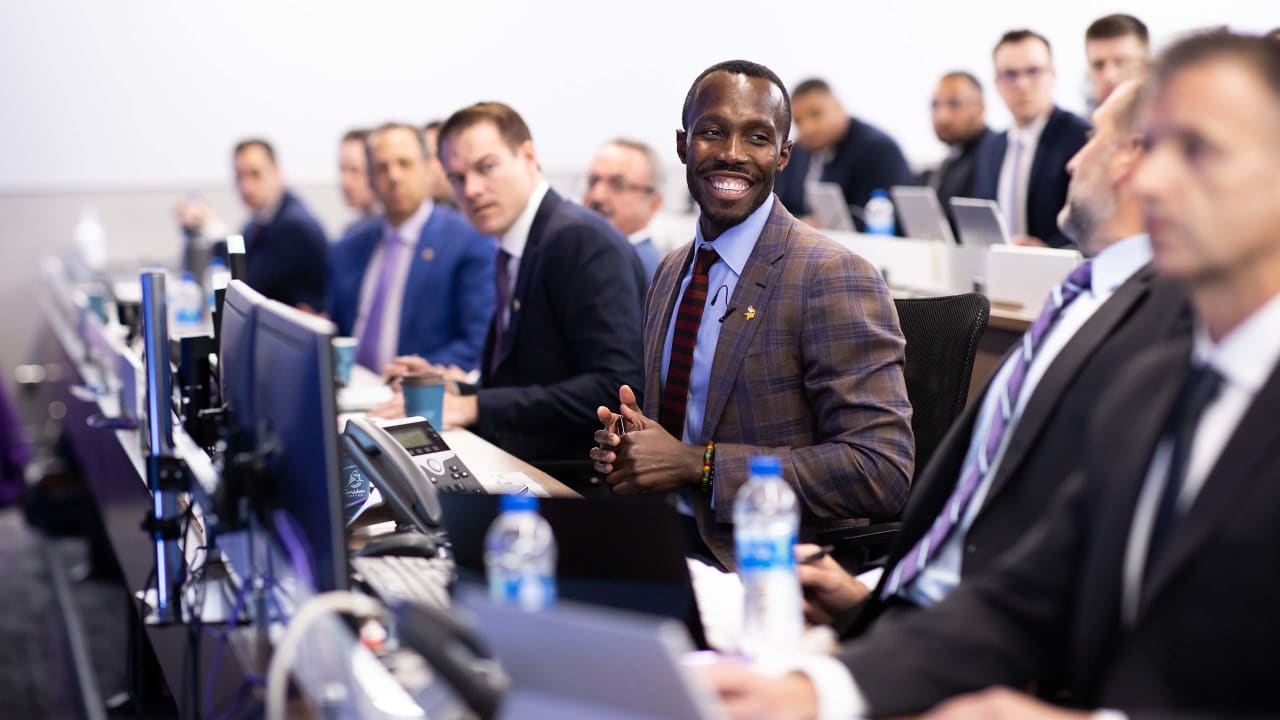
x,y
127,105
134,93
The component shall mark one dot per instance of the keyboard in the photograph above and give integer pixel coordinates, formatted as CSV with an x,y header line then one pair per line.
x,y
399,579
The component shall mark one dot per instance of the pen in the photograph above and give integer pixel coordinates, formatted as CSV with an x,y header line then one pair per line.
x,y
822,552
619,426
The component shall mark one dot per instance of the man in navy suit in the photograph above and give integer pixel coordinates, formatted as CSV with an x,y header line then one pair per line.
x,y
284,245
624,184
833,147
420,282
566,331
1024,169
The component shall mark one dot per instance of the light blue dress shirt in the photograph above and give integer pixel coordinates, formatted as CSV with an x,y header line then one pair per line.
x,y
735,246
1111,268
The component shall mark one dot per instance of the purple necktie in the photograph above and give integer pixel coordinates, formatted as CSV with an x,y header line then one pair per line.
x,y
369,347
975,472
1011,207
502,309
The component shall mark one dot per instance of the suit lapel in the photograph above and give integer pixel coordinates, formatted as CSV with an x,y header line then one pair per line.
x,y
755,287
1252,443
665,290
419,267
1063,371
1043,147
527,260
1115,498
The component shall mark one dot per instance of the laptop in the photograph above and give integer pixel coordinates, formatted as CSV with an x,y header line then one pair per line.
x,y
576,662
826,202
921,213
624,553
980,222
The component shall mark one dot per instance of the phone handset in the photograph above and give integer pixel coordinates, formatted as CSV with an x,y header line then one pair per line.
x,y
390,468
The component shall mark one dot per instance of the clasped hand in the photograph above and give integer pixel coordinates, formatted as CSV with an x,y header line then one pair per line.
x,y
645,458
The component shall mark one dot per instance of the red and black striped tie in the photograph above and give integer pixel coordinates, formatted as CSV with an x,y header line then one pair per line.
x,y
675,395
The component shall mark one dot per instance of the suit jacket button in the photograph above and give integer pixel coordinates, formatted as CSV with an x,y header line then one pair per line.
x,y
971,548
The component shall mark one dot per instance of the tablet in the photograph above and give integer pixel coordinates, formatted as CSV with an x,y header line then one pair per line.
x,y
981,223
921,213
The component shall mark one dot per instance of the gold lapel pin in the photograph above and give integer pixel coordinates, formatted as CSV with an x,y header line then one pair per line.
x,y
428,254
515,304
750,313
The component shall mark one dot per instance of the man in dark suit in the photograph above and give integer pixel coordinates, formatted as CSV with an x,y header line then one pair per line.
x,y
834,147
421,281
1150,583
566,330
1024,168
285,248
1124,310
959,120
791,342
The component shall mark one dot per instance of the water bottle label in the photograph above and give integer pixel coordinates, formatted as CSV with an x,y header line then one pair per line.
x,y
766,553
528,592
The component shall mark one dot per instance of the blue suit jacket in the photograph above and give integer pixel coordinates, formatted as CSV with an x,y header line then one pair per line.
x,y
285,258
448,295
865,159
1062,138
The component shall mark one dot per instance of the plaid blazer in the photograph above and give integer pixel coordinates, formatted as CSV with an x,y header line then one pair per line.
x,y
813,376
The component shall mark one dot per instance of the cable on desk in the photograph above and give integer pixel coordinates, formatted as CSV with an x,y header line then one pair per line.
x,y
342,601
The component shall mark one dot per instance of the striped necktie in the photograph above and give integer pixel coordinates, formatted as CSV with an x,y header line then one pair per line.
x,y
976,471
675,394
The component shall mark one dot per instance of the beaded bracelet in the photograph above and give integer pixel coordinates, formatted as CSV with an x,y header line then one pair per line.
x,y
708,467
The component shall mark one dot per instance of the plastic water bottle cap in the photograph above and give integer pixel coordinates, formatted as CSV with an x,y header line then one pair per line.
x,y
878,193
518,503
765,465
189,276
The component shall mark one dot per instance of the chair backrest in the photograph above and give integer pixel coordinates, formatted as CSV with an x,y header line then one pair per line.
x,y
942,336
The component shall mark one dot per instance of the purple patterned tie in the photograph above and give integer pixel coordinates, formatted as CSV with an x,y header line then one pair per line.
x,y
1011,208
501,309
368,349
975,472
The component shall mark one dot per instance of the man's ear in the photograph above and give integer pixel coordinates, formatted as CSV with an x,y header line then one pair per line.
x,y
784,155
682,146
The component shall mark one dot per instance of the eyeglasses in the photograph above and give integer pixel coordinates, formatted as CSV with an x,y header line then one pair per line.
x,y
950,104
1011,75
617,184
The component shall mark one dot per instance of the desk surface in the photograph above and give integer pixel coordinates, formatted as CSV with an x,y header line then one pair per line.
x,y
485,458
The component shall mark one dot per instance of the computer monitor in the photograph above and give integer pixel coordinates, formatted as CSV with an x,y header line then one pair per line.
x,y
297,423
626,553
235,360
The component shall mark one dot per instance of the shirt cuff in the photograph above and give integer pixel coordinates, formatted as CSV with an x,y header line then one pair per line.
x,y
1108,715
839,697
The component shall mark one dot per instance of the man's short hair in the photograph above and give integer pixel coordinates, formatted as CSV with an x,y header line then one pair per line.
x,y
1130,113
511,127
657,174
1273,35
1259,53
255,142
360,135
1017,36
422,142
810,85
1117,25
966,76
740,67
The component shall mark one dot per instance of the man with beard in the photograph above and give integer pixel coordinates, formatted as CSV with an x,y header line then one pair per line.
x,y
962,517
760,337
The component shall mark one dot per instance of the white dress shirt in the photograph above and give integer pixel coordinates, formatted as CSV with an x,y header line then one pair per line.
x,y
837,690
407,234
1029,138
1111,268
514,240
1245,358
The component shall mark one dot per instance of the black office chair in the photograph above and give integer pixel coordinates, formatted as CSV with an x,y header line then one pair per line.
x,y
942,336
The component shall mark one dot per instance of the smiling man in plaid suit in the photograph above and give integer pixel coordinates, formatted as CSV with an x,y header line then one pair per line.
x,y
761,337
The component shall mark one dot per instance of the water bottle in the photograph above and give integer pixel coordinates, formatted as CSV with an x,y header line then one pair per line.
x,y
216,276
878,214
186,307
520,555
765,522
